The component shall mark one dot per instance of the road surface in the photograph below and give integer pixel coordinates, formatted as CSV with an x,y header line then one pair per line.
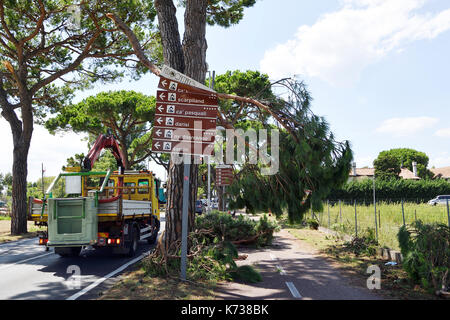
x,y
292,270
29,272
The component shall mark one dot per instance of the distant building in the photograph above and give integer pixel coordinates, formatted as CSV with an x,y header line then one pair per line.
x,y
361,173
441,173
364,173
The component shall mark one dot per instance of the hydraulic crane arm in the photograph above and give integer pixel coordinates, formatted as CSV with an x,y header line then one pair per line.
x,y
104,141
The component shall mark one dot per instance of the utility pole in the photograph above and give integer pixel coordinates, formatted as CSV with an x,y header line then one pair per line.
x,y
42,176
375,205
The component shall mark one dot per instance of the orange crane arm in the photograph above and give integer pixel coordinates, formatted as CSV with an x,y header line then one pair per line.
x,y
104,141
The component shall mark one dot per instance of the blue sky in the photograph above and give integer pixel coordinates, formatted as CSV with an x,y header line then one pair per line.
x,y
378,71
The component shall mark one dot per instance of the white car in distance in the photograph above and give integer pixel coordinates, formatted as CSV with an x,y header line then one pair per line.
x,y
439,200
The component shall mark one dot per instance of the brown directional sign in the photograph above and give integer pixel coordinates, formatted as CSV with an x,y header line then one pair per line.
x,y
224,176
174,75
171,134
224,182
225,172
186,110
184,123
171,85
186,98
183,147
186,115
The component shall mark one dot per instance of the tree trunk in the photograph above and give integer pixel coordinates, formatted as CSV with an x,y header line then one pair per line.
x,y
190,60
19,189
220,198
194,42
124,149
170,35
21,133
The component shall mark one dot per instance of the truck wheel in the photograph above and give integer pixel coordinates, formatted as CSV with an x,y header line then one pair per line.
x,y
133,245
152,239
68,251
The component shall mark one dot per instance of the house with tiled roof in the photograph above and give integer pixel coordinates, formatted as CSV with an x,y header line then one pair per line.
x,y
441,173
364,173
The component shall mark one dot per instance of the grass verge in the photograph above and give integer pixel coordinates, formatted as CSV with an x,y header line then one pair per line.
x,y
5,231
136,285
395,283
389,218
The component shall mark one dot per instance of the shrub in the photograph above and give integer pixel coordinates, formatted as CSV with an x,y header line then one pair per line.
x,y
265,228
365,244
246,274
426,252
421,190
212,251
226,228
312,224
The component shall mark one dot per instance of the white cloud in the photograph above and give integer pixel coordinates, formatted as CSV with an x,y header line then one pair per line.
x,y
401,127
443,133
362,162
341,44
45,148
439,162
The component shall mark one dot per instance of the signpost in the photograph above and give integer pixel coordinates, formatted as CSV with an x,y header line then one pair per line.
x,y
224,177
181,80
185,122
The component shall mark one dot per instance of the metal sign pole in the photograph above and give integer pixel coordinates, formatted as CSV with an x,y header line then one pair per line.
x,y
171,108
211,85
185,218
403,212
448,214
43,185
209,184
223,199
375,205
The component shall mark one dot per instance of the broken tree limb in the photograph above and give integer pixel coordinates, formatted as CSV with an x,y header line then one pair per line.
x,y
139,52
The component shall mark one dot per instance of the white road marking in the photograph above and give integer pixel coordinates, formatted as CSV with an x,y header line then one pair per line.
x,y
290,285
279,267
109,275
25,260
293,290
281,270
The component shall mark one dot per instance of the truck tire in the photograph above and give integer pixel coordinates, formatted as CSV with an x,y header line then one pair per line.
x,y
152,239
68,251
134,242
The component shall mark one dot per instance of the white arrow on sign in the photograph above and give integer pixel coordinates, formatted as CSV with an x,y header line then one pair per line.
x,y
160,108
158,133
162,96
164,83
159,120
157,145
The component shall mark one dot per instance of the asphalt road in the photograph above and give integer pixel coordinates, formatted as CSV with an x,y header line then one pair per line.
x,y
29,272
292,270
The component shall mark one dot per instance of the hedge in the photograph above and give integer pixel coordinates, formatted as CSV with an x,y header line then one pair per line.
x,y
391,190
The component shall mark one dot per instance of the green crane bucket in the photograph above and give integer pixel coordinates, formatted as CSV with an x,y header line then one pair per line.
x,y
72,222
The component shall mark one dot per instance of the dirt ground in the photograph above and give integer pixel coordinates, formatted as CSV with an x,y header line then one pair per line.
x,y
5,231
